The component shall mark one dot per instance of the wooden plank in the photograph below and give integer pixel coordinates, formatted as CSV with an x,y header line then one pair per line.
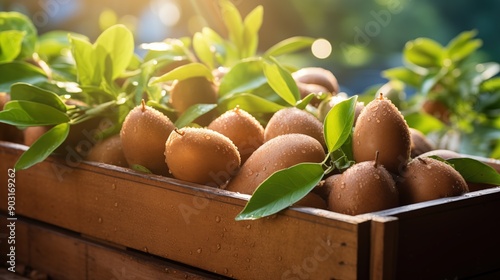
x,y
383,247
449,238
189,223
61,254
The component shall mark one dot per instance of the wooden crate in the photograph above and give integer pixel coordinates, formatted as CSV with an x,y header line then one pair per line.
x,y
449,238
187,223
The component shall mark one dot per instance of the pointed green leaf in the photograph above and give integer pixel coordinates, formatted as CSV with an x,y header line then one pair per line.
x,y
233,22
475,171
14,72
187,71
252,24
202,49
424,122
43,147
88,70
245,76
27,92
282,82
250,103
192,113
20,22
10,44
289,45
424,52
27,113
281,190
404,75
118,43
338,123
463,45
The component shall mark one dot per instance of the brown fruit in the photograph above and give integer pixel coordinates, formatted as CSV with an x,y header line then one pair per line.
x,y
325,106
324,187
201,155
294,120
191,91
278,153
242,128
143,135
317,76
419,143
381,128
437,109
109,151
427,179
306,89
364,187
32,133
312,200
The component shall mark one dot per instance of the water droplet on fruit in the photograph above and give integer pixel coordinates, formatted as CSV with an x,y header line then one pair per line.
x,y
113,186
376,176
249,226
378,120
207,137
280,258
199,251
218,247
116,204
99,220
217,219
145,249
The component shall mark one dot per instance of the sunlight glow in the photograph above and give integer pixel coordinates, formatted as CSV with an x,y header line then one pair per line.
x,y
321,48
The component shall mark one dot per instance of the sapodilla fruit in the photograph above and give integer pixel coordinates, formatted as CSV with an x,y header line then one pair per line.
x,y
294,120
191,91
242,128
419,143
109,151
364,187
426,179
317,76
278,153
381,127
143,135
201,155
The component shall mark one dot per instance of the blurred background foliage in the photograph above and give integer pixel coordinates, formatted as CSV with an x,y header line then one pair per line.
x,y
367,37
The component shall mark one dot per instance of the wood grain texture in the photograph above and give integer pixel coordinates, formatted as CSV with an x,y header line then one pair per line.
x,y
383,247
189,223
61,254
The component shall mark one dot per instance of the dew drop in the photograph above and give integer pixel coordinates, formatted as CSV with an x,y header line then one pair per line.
x,y
207,137
218,247
378,120
145,249
226,270
113,186
280,258
249,226
199,251
99,220
116,204
217,219
376,176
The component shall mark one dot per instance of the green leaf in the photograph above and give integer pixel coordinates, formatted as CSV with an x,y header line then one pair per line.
x,y
289,45
202,49
10,44
192,113
491,85
27,113
43,147
140,168
424,122
475,171
424,52
339,122
462,46
187,71
118,43
233,22
282,82
88,70
245,76
251,25
27,92
14,72
250,103
404,75
20,22
281,190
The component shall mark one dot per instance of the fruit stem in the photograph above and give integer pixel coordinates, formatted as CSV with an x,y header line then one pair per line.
x,y
376,159
381,96
143,104
181,133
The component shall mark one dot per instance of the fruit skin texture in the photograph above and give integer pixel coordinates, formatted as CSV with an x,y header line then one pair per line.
x,y
363,188
191,91
278,153
109,151
201,155
294,120
143,135
381,127
427,179
312,200
317,76
419,143
242,128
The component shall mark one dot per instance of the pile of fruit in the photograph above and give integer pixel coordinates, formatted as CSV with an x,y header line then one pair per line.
x,y
211,111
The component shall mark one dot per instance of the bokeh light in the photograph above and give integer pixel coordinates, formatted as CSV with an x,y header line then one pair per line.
x,y
321,48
